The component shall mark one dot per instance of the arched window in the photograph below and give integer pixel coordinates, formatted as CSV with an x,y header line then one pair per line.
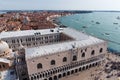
x,y
59,76
55,77
3,66
35,77
0,66
76,70
93,52
72,72
52,62
83,54
101,50
31,78
39,65
50,78
85,49
65,59
74,58
64,74
87,67
80,69
68,73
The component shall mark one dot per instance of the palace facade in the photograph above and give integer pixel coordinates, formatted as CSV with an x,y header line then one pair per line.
x,y
51,54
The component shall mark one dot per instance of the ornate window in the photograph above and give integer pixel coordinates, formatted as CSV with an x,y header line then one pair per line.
x,y
52,62
33,39
65,59
85,49
74,58
31,78
3,66
101,50
0,66
13,41
93,52
83,54
39,65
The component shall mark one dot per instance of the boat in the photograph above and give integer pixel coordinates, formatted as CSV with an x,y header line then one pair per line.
x,y
97,23
107,34
84,26
115,23
63,26
118,17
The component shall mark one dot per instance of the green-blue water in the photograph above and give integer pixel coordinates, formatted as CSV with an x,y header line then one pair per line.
x,y
107,26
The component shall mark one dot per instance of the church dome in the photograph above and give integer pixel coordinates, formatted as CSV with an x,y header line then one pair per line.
x,y
3,47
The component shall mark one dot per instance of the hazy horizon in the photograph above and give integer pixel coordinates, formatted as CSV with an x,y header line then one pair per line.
x,y
60,5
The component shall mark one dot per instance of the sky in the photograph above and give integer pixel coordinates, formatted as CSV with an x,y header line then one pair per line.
x,y
60,5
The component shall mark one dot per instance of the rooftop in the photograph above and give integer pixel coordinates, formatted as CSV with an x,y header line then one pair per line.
x,y
75,34
4,60
81,40
67,31
10,34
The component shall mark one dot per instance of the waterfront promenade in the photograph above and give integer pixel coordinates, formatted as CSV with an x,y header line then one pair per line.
x,y
108,71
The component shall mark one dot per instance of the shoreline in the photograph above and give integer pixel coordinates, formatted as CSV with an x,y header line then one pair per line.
x,y
53,20
111,67
14,21
58,23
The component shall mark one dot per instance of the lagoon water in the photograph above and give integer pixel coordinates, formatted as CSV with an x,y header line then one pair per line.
x,y
2,12
104,25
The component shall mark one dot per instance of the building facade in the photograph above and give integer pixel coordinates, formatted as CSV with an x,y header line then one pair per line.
x,y
33,38
51,54
62,63
6,62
